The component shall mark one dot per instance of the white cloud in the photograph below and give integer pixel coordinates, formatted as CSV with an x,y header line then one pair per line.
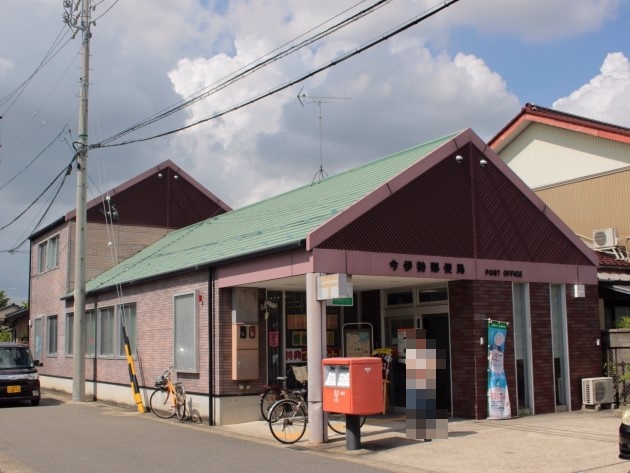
x,y
533,20
147,55
606,96
6,66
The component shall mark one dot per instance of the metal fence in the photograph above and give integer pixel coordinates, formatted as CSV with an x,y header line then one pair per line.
x,y
617,366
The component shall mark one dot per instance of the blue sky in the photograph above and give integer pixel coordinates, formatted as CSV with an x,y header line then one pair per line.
x,y
540,72
473,65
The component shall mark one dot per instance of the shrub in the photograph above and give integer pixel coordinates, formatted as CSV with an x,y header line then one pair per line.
x,y
623,322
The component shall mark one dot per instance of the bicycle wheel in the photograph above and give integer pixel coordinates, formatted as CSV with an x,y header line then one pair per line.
x,y
180,407
337,422
268,399
161,404
287,421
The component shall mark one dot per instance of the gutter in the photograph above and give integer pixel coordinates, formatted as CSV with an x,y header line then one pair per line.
x,y
210,347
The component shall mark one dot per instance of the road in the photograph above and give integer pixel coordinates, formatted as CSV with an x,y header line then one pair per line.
x,y
68,437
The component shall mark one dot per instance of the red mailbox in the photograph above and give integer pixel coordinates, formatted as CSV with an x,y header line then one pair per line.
x,y
353,385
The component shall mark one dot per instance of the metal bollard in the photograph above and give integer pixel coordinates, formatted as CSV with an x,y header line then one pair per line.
x,y
353,432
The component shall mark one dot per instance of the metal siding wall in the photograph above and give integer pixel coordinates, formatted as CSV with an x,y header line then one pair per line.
x,y
592,204
544,155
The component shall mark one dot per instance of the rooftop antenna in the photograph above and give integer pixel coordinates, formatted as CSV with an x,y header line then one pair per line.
x,y
308,99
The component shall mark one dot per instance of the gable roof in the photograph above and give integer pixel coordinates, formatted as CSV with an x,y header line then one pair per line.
x,y
275,224
531,113
163,196
337,213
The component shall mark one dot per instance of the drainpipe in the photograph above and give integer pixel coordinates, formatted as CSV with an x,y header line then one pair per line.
x,y
210,347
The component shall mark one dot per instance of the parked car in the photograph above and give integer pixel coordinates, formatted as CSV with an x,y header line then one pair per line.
x,y
624,435
19,380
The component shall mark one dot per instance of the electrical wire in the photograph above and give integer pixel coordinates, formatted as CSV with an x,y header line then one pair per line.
x,y
105,12
254,66
66,171
57,138
12,96
405,26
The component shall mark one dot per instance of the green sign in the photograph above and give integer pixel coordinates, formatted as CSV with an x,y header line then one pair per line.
x,y
343,301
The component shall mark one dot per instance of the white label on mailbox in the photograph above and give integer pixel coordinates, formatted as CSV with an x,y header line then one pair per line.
x,y
344,379
330,379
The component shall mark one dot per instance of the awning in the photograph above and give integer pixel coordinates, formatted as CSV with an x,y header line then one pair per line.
x,y
621,289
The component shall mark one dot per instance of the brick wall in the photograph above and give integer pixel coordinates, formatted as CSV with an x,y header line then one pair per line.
x,y
470,303
584,354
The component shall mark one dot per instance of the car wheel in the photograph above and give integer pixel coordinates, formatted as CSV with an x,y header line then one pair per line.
x,y
34,402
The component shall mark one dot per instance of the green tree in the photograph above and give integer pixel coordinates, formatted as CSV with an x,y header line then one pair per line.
x,y
4,299
5,334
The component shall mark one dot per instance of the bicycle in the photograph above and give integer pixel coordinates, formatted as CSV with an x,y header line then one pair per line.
x,y
275,392
288,418
169,398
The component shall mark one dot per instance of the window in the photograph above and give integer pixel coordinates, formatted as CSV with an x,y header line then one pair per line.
x,y
185,343
438,294
90,347
105,334
127,315
41,257
51,331
399,298
48,254
52,253
69,340
37,338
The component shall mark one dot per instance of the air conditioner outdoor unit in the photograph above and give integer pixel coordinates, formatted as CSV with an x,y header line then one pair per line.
x,y
597,391
605,238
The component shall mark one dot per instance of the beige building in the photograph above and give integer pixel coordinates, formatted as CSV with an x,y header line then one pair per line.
x,y
581,169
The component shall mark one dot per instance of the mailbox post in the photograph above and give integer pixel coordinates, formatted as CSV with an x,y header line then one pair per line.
x,y
353,386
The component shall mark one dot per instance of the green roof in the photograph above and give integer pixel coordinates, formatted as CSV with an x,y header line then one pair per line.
x,y
272,223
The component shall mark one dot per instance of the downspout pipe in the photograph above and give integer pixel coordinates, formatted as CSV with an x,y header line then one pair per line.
x,y
210,347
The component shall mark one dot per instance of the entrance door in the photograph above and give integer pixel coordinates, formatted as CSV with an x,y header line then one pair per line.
x,y
436,326
397,375
435,321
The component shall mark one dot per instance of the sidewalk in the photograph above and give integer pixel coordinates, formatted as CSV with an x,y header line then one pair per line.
x,y
567,442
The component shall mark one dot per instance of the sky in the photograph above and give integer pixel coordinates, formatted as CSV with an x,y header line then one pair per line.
x,y
474,64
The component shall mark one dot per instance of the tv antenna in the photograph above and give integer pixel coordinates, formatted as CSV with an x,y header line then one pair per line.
x,y
308,99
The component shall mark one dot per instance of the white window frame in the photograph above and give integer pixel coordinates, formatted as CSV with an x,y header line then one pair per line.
x,y
41,257
52,252
69,336
106,332
52,331
130,313
185,337
91,331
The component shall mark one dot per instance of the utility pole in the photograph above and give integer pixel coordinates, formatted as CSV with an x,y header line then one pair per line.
x,y
79,323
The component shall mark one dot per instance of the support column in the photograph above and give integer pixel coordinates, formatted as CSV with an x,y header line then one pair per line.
x,y
315,351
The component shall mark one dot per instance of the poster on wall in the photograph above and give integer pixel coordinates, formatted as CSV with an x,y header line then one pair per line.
x,y
498,396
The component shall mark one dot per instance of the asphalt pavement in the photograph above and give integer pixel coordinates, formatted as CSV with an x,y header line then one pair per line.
x,y
64,436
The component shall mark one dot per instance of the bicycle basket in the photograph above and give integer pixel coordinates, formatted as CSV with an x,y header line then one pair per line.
x,y
160,380
301,374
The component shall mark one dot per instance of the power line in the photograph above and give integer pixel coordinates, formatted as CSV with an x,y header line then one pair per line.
x,y
405,26
252,67
66,171
57,138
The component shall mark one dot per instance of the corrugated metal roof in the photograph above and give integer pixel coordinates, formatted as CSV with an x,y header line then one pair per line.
x,y
273,223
